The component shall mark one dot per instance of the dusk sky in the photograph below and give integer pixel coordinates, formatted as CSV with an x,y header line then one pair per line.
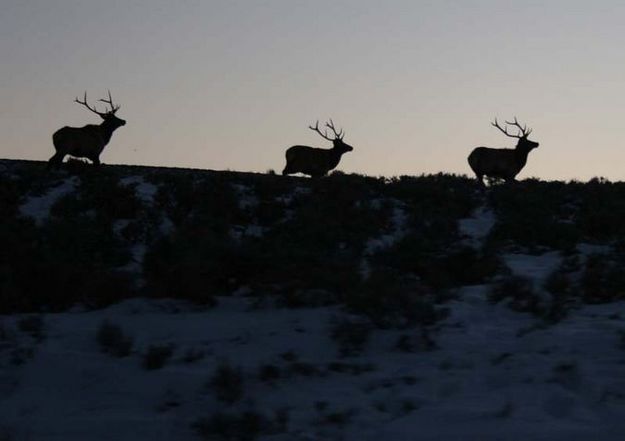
x,y
230,84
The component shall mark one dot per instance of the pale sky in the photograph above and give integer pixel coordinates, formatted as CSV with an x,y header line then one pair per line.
x,y
230,84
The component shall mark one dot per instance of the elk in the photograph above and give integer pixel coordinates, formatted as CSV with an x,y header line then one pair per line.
x,y
502,163
316,162
88,141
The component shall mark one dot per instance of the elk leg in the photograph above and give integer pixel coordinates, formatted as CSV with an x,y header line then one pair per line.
x,y
56,160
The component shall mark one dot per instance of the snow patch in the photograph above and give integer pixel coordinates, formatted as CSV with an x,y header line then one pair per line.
x,y
238,232
247,199
587,249
485,381
38,207
477,227
536,268
166,226
145,191
399,220
290,197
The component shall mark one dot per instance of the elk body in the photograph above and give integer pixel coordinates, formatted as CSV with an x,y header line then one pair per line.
x,y
88,141
313,161
502,163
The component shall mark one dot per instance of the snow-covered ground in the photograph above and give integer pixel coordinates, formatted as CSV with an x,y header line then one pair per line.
x,y
145,191
38,207
476,228
485,372
397,231
495,375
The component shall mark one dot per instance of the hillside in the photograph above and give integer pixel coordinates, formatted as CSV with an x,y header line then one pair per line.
x,y
143,302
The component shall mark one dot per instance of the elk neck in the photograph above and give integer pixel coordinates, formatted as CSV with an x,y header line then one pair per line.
x,y
108,127
520,152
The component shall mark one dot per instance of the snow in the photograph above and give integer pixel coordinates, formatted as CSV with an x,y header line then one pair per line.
x,y
247,199
294,194
398,231
536,268
494,374
487,380
38,207
240,231
478,226
166,226
589,248
145,191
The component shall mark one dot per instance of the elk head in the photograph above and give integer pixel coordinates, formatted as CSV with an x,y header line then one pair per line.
x,y
522,134
337,141
109,116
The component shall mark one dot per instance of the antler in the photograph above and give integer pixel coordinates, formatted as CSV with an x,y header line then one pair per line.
x,y
84,103
523,131
110,103
330,126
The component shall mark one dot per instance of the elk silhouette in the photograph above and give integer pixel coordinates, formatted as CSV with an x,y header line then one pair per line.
x,y
502,163
88,141
313,161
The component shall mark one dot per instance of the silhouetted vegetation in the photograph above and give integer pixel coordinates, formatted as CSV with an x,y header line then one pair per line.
x,y
113,340
519,293
296,242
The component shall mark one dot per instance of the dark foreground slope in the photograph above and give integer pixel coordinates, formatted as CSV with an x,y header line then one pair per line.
x,y
93,236
346,308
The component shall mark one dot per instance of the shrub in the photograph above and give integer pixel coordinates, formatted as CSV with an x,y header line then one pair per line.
x,y
113,341
193,355
194,266
602,280
269,372
7,434
559,285
227,383
305,369
32,325
4,333
246,426
10,196
156,356
390,300
350,335
520,293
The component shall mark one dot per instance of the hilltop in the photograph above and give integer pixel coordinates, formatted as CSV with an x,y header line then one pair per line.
x,y
228,305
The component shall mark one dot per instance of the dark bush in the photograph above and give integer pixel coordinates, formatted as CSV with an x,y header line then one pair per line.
x,y
246,426
535,214
603,279
269,372
350,335
32,325
560,286
156,356
389,299
227,383
113,341
520,293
